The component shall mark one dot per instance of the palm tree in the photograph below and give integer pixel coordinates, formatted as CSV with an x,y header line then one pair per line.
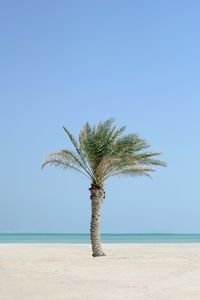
x,y
102,152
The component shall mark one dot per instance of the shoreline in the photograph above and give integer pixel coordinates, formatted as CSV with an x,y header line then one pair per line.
x,y
105,238
103,244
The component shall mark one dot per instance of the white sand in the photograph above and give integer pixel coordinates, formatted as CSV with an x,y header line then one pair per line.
x,y
129,271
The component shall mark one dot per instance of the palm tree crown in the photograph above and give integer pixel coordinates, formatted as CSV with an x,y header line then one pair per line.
x,y
102,152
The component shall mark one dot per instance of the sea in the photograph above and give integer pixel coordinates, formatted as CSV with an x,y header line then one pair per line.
x,y
109,238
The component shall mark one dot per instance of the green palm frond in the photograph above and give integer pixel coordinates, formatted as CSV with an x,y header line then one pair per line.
x,y
75,143
79,150
102,152
96,141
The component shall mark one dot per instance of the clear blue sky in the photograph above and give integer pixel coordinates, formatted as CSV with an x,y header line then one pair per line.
x,y
65,62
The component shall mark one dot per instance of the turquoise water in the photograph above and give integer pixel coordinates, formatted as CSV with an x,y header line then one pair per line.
x,y
68,238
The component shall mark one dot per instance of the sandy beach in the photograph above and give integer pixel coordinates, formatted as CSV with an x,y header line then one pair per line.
x,y
129,271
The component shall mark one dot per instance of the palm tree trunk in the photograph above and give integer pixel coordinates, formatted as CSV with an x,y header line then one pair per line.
x,y
97,197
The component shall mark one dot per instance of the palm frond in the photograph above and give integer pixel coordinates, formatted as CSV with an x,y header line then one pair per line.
x,y
60,160
74,142
95,141
70,155
154,162
104,167
133,172
79,150
102,152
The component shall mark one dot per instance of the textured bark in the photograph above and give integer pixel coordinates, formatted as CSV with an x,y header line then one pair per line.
x,y
97,197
